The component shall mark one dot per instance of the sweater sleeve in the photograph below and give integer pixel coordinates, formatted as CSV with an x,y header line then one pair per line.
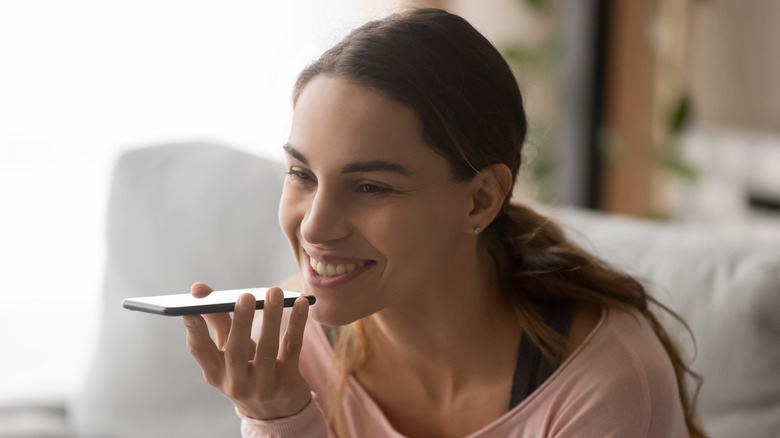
x,y
309,423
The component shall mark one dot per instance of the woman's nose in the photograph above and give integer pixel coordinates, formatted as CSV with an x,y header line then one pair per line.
x,y
325,220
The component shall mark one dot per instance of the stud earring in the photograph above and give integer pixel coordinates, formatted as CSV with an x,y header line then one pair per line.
x,y
477,230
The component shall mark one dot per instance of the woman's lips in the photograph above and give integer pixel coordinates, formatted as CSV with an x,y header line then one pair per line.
x,y
328,271
323,269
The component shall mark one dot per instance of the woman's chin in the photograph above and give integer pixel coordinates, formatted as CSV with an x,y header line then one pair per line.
x,y
332,315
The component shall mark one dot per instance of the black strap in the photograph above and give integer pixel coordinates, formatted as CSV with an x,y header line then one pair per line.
x,y
533,368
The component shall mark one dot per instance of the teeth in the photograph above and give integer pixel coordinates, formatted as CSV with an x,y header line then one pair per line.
x,y
329,270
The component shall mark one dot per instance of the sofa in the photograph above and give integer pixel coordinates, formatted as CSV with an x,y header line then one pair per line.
x,y
181,213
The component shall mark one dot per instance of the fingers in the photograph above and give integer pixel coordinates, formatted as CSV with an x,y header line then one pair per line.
x,y
262,381
268,344
220,322
203,349
293,338
238,346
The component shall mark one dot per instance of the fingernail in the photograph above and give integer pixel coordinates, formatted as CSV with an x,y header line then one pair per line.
x,y
272,298
245,302
301,308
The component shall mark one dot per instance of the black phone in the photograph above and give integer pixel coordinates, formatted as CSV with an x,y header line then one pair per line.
x,y
216,302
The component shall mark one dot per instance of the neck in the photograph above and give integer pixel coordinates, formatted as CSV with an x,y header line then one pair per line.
x,y
455,335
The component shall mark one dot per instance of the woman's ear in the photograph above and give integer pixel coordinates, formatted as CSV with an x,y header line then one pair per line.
x,y
490,188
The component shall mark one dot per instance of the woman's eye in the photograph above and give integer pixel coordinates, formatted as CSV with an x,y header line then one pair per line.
x,y
299,175
371,188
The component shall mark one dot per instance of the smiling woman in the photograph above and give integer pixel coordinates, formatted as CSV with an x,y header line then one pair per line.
x,y
372,191
442,308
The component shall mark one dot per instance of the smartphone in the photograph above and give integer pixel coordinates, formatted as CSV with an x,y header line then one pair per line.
x,y
216,302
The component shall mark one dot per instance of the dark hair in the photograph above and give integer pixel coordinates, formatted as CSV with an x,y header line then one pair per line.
x,y
471,111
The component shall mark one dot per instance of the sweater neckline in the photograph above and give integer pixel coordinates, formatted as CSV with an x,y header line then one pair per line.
x,y
375,413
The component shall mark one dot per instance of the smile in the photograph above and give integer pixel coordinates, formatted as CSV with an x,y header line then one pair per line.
x,y
334,270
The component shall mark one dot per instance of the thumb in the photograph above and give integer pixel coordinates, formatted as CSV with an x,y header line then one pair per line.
x,y
200,290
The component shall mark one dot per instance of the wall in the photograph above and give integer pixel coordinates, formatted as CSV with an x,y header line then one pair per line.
x,y
733,70
735,63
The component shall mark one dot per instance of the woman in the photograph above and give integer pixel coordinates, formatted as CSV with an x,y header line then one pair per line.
x,y
442,309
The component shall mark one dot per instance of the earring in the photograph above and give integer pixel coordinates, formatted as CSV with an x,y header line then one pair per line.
x,y
477,229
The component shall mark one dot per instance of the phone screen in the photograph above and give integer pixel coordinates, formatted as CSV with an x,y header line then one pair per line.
x,y
216,302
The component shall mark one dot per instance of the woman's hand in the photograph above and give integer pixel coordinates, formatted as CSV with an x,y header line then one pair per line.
x,y
262,379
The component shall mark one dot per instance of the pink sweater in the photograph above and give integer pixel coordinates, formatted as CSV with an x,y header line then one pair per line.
x,y
618,383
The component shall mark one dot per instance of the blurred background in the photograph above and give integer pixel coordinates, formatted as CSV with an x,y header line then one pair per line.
x,y
667,109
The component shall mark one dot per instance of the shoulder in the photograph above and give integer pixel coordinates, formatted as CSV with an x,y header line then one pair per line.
x,y
631,356
618,382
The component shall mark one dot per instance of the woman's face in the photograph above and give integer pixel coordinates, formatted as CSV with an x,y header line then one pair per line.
x,y
374,217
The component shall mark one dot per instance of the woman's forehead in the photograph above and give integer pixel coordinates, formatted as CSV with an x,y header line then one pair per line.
x,y
334,114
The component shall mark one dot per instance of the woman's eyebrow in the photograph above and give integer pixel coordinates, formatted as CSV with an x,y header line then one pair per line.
x,y
295,153
376,166
358,166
